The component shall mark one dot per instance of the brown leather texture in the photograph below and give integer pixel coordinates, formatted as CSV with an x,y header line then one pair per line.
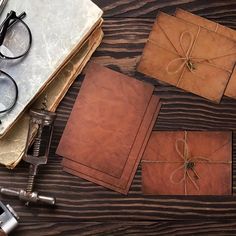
x,y
211,25
220,29
189,57
163,165
109,122
2,233
123,183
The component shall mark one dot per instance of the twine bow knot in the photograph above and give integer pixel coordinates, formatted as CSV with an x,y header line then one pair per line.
x,y
190,65
186,59
189,164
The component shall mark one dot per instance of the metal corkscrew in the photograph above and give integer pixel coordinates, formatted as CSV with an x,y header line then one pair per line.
x,y
36,154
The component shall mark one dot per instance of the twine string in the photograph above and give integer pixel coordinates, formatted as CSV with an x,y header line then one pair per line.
x,y
187,165
217,26
186,59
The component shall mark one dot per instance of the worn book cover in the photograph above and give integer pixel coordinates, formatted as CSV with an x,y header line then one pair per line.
x,y
58,29
189,57
12,145
188,163
220,29
109,122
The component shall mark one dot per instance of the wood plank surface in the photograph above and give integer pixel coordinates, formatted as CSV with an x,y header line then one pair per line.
x,y
84,208
195,228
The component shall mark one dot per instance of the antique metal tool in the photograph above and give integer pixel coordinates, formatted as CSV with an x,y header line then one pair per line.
x,y
8,219
36,154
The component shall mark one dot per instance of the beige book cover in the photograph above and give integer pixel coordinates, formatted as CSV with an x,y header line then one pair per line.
x,y
58,28
13,144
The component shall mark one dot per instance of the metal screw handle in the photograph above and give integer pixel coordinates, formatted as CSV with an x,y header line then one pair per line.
x,y
29,197
36,150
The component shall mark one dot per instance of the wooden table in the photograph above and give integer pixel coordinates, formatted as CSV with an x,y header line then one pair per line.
x,y
84,208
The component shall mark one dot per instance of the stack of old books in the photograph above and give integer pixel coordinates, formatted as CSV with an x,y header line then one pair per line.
x,y
65,33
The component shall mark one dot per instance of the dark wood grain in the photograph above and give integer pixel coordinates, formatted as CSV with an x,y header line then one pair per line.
x,y
120,229
84,208
224,11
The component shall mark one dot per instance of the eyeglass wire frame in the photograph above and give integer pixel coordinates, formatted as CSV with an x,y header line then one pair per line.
x,y
10,21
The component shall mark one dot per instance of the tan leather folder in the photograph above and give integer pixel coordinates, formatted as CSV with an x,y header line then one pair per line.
x,y
189,57
220,29
110,120
188,163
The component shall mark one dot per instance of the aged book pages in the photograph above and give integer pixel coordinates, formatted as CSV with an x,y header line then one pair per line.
x,y
13,144
58,29
105,132
220,29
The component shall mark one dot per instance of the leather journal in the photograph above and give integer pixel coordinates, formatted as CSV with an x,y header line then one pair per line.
x,y
220,29
108,128
189,57
188,163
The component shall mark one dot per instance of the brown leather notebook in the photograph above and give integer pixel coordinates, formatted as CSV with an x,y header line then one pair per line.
x,y
188,163
123,183
109,122
220,29
189,57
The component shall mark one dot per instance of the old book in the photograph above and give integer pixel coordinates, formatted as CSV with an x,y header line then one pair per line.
x,y
108,125
58,30
220,29
188,163
13,144
189,57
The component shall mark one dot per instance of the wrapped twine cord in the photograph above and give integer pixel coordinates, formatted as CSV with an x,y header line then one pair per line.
x,y
217,26
188,164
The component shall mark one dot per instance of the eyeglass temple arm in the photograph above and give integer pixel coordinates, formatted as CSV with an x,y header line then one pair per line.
x,y
4,27
6,24
21,16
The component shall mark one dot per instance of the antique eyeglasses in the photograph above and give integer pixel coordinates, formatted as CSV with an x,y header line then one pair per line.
x,y
15,43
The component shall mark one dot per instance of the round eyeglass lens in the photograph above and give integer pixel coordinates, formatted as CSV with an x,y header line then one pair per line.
x,y
8,92
17,40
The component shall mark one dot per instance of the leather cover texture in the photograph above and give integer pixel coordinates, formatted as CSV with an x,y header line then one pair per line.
x,y
112,117
220,29
189,57
163,165
211,25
